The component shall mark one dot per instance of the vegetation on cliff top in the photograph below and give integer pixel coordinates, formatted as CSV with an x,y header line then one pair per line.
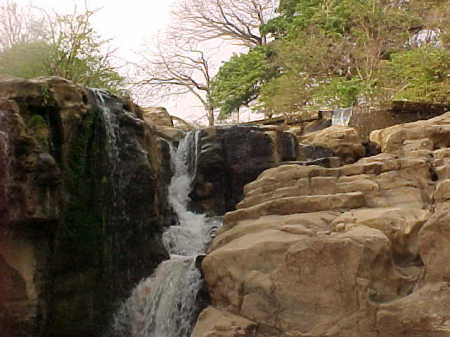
x,y
326,53
307,54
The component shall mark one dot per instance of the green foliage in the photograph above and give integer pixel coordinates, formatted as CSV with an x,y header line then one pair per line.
x,y
421,74
338,53
26,60
78,53
67,46
283,94
39,126
239,80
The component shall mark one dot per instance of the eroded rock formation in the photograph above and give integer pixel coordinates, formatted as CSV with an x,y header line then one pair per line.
x,y
230,157
82,205
359,250
341,141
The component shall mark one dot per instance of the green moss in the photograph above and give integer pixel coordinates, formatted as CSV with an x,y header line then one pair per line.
x,y
83,224
39,127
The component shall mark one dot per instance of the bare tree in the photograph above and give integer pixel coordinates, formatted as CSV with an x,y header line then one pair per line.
x,y
182,63
234,20
18,25
178,68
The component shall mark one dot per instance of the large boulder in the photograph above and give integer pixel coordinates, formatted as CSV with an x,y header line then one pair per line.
x,y
230,157
432,134
216,323
157,116
358,250
343,141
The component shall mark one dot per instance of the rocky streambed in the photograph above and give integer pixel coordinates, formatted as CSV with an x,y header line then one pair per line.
x,y
323,235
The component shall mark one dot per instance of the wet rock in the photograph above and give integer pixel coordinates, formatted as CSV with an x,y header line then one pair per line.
x,y
230,157
83,184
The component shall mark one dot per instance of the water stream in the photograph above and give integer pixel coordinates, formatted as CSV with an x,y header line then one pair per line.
x,y
5,158
165,304
342,116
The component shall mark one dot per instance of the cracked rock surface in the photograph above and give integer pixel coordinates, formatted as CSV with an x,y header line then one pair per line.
x,y
359,250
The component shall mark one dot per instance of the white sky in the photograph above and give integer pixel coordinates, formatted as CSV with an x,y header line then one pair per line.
x,y
131,24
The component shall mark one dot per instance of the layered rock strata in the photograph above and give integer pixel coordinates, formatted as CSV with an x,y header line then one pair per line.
x,y
359,250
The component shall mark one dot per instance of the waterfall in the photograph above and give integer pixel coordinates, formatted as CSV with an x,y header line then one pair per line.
x,y
5,158
342,117
117,146
112,130
165,304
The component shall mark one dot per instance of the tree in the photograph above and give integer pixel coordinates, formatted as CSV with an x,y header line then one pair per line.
x,y
421,75
181,64
19,25
239,80
59,45
340,53
79,53
178,68
238,21
26,59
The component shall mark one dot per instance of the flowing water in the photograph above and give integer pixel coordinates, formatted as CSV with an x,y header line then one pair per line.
x,y
342,116
4,163
165,304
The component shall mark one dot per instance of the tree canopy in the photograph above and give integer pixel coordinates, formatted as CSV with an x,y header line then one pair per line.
x,y
239,80
177,67
56,45
329,53
238,21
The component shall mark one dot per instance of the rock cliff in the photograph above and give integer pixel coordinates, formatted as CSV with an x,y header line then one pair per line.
x,y
358,250
230,157
82,206
83,199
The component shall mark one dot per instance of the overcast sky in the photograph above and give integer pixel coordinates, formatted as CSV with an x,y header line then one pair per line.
x,y
131,24
128,22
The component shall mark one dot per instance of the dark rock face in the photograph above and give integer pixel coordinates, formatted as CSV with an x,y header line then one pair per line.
x,y
83,183
230,157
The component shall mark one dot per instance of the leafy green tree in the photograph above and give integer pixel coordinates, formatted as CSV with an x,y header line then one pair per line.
x,y
239,80
421,75
60,45
338,53
78,53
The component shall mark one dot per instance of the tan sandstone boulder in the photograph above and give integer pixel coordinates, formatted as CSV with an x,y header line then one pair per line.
x,y
343,141
362,250
216,323
431,134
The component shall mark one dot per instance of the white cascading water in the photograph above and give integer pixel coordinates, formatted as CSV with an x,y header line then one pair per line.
x,y
165,304
342,116
4,154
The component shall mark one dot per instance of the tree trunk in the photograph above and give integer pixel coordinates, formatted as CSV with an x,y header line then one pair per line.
x,y
211,116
